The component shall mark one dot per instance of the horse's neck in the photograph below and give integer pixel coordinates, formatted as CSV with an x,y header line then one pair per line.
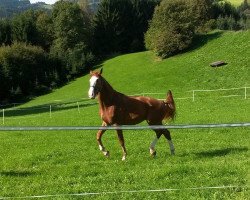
x,y
106,95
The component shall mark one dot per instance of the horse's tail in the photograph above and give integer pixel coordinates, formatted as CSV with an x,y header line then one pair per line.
x,y
171,112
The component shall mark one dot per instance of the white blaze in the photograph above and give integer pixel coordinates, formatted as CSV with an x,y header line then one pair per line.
x,y
92,82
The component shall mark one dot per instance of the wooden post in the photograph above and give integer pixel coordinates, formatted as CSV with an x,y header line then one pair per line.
x,y
245,92
78,107
3,116
50,111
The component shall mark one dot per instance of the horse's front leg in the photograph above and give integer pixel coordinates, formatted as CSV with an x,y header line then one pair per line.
x,y
99,140
122,143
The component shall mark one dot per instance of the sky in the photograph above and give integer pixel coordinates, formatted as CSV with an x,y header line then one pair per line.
x,y
46,1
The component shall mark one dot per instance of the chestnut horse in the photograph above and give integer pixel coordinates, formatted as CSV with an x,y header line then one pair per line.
x,y
118,109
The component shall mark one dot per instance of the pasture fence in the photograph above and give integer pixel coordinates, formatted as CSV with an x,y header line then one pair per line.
x,y
3,116
124,127
33,112
84,194
223,89
49,108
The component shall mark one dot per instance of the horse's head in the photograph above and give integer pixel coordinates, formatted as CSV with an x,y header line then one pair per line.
x,y
95,84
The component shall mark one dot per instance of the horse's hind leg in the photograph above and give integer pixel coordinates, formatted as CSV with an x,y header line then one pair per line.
x,y
167,135
122,143
99,141
159,132
153,143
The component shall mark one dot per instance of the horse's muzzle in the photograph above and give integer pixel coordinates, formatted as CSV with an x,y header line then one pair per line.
x,y
93,97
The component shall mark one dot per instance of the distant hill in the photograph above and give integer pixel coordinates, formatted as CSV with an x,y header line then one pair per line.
x,y
10,7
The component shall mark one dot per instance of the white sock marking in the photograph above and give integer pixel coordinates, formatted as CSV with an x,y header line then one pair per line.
x,y
101,148
171,145
152,145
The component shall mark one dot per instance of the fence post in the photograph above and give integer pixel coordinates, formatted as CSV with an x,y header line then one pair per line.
x,y
193,95
50,111
245,92
78,107
3,116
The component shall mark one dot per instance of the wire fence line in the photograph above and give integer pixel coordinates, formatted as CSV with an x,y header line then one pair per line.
x,y
124,127
223,89
72,101
124,191
83,102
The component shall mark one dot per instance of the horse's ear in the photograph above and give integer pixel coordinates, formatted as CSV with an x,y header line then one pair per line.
x,y
100,71
91,72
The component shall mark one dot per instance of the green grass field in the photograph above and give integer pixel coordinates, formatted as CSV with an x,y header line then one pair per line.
x,y
69,162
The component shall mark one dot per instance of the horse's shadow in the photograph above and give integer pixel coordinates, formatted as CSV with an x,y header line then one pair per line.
x,y
221,152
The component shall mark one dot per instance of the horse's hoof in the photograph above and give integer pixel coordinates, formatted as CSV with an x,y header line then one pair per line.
x,y
153,154
123,158
106,153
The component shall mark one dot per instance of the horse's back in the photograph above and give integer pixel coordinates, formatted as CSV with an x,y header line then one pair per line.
x,y
156,109
132,110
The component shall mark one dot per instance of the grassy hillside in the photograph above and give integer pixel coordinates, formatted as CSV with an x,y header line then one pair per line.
x,y
180,73
69,162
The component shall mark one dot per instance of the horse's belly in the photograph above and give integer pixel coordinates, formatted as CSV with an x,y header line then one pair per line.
x,y
123,116
131,119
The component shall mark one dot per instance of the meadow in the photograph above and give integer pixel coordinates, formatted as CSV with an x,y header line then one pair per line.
x,y
69,162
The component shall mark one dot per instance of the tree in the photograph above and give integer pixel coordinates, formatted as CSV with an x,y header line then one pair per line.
x,y
112,27
4,86
202,13
44,29
24,27
119,25
174,24
171,29
224,9
5,32
72,37
143,11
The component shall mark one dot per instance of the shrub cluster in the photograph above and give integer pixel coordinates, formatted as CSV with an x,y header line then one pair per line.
x,y
27,69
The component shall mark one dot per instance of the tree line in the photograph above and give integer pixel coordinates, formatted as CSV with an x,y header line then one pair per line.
x,y
42,50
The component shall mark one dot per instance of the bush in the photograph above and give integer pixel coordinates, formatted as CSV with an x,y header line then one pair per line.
x,y
26,69
171,29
